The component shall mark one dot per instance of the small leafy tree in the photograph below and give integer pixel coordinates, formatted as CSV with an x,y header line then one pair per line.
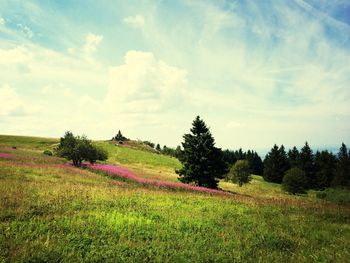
x,y
79,149
295,181
158,148
240,173
202,162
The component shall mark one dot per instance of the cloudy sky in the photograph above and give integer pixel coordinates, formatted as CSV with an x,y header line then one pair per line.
x,y
258,72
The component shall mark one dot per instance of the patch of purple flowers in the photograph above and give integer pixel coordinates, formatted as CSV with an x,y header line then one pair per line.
x,y
125,173
5,155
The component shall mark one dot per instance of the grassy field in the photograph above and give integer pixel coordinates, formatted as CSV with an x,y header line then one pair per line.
x,y
24,142
147,164
52,212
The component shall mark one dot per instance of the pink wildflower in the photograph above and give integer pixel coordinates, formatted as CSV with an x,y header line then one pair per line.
x,y
125,173
5,155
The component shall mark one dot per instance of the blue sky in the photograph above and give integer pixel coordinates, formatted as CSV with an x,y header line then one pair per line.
x,y
258,72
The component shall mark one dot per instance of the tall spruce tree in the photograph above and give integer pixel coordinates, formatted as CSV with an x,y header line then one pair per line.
x,y
255,163
325,163
293,157
342,173
202,162
275,164
229,156
306,163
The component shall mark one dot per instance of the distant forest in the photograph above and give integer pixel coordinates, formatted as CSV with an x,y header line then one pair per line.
x,y
307,169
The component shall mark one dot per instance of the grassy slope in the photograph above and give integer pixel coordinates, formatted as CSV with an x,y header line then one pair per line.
x,y
52,212
24,142
144,163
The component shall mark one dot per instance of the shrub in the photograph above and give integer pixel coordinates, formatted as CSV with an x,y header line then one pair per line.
x,y
47,152
120,137
150,144
295,181
79,149
240,173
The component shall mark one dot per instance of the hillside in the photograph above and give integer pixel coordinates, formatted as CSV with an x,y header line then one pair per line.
x,y
51,211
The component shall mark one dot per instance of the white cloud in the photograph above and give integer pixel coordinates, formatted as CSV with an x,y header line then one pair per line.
x,y
15,55
254,69
91,43
136,21
235,124
26,30
71,50
47,90
10,103
2,21
145,84
68,93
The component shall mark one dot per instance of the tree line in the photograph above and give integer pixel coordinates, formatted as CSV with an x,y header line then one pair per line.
x,y
297,170
204,164
314,170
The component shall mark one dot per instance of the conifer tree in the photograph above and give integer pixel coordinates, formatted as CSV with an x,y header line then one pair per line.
x,y
120,137
293,157
275,164
306,163
255,163
202,162
325,164
342,173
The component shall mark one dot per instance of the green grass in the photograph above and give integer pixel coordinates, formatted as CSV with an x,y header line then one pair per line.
x,y
24,142
145,163
52,212
339,196
130,156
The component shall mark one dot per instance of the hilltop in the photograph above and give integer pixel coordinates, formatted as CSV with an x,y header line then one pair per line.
x,y
51,211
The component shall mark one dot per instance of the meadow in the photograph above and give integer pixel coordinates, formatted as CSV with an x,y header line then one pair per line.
x,y
53,212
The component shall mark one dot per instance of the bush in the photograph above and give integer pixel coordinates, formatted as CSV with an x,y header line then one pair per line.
x,y
47,152
79,149
295,181
240,173
150,144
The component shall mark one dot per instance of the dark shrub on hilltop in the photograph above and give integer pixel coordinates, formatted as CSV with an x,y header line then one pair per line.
x,y
79,149
120,137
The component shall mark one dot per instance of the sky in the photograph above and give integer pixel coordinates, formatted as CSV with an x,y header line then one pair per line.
x,y
258,72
